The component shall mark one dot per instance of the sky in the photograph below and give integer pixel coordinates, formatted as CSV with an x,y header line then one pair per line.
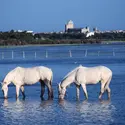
x,y
52,15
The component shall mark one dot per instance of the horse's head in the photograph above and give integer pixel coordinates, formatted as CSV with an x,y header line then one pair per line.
x,y
5,89
61,92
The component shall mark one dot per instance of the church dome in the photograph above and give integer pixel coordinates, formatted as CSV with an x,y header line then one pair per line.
x,y
70,22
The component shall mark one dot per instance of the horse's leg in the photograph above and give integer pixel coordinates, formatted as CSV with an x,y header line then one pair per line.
x,y
107,87
17,91
109,92
84,89
50,91
22,90
42,88
77,91
102,89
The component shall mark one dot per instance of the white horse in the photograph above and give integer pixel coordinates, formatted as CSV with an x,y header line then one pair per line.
x,y
21,76
82,76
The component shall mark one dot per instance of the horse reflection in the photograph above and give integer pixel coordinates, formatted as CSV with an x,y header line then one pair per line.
x,y
46,103
90,111
5,102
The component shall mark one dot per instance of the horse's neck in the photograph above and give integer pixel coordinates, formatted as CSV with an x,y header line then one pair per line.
x,y
70,73
68,80
70,77
9,77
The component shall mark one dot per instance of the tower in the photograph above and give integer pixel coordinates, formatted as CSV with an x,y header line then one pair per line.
x,y
95,29
69,25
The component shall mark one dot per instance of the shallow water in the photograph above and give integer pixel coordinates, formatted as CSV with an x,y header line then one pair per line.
x,y
35,111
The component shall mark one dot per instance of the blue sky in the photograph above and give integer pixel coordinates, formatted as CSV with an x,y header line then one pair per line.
x,y
51,15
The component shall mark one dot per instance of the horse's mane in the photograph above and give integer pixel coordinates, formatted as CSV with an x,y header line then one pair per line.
x,y
70,73
10,73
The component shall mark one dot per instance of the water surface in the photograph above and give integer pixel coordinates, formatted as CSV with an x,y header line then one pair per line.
x,y
35,111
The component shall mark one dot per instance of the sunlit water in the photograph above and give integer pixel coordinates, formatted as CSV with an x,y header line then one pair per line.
x,y
34,111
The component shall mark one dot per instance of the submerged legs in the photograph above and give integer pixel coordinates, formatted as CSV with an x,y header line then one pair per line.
x,y
49,87
17,91
42,89
105,87
85,91
22,90
77,91
102,90
50,90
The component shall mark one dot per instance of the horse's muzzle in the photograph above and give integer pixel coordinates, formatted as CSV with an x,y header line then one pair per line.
x,y
61,97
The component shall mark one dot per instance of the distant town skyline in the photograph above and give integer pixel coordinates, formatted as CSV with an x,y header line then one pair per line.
x,y
51,16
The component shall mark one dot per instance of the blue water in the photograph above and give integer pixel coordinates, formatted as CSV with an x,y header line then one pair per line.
x,y
34,111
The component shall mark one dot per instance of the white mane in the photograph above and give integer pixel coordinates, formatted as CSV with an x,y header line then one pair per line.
x,y
9,76
70,73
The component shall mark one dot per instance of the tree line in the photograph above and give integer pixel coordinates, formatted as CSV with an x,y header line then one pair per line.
x,y
24,38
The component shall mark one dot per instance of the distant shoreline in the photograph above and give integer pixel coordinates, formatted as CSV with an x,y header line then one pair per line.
x,y
113,42
53,39
73,44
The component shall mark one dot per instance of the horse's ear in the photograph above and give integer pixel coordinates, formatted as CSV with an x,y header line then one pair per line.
x,y
1,83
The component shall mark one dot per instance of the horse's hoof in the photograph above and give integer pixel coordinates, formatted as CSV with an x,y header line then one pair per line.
x,y
5,98
23,98
77,99
109,99
42,99
50,98
60,99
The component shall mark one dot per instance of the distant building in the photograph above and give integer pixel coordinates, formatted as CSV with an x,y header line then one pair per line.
x,y
85,30
90,34
79,30
74,30
69,25
19,31
29,31
95,30
69,28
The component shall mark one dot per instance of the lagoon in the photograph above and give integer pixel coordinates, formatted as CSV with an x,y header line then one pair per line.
x,y
33,110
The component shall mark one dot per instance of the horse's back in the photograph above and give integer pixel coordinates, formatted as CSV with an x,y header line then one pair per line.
x,y
45,72
98,69
93,74
34,71
101,71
